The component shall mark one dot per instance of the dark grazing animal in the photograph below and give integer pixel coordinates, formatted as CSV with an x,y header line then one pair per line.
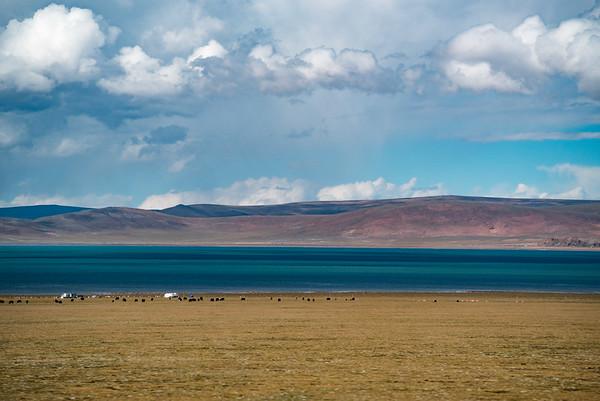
x,y
143,300
242,298
11,302
278,299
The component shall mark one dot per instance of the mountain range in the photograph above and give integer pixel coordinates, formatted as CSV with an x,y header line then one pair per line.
x,y
443,221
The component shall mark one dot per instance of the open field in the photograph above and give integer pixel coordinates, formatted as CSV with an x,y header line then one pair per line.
x,y
378,347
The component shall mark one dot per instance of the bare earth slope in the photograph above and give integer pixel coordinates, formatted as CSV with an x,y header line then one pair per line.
x,y
419,222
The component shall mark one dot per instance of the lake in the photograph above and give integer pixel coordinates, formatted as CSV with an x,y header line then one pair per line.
x,y
106,269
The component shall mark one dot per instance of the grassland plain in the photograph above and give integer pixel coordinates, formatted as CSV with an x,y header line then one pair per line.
x,y
489,346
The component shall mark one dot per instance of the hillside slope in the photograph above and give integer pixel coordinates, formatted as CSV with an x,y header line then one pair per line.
x,y
416,222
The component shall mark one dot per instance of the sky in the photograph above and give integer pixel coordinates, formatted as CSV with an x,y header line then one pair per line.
x,y
153,103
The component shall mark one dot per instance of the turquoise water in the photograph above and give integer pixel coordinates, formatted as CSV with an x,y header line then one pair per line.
x,y
102,269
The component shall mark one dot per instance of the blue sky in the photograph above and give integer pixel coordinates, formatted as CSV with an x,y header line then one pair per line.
x,y
153,103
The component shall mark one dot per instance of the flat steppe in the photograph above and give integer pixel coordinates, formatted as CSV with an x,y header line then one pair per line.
x,y
499,346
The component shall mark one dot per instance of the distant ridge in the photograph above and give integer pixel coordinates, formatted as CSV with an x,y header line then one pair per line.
x,y
35,212
435,222
286,209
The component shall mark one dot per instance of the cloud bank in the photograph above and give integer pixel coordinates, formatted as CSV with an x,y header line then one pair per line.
x,y
488,58
56,45
277,190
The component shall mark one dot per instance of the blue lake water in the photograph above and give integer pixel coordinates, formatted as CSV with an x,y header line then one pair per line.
x,y
103,269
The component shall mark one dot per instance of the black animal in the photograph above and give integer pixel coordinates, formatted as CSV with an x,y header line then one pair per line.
x,y
11,302
135,300
435,300
113,301
212,300
328,299
81,298
143,300
124,299
151,299
72,300
201,298
278,299
352,299
117,298
242,298
1,301
26,301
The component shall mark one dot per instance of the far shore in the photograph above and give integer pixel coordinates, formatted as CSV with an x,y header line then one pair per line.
x,y
436,246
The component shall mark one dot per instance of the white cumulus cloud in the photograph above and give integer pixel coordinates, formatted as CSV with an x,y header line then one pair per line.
x,y
146,76
377,189
319,67
90,200
488,58
252,191
585,177
55,45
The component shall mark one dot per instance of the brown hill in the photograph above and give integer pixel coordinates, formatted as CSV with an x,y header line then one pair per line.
x,y
417,222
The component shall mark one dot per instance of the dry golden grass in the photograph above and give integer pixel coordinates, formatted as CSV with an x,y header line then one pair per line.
x,y
379,347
